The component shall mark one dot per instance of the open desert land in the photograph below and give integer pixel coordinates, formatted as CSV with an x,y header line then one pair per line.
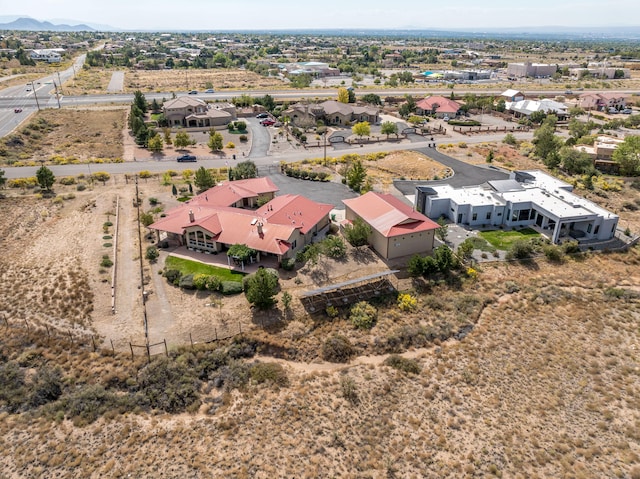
x,y
527,370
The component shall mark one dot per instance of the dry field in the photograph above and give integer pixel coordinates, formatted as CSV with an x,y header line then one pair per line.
x,y
93,81
67,133
546,383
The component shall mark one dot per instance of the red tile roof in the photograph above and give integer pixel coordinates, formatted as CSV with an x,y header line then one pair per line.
x,y
230,192
440,103
294,210
388,215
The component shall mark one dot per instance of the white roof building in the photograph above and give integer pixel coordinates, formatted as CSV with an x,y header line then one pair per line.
x,y
527,107
529,198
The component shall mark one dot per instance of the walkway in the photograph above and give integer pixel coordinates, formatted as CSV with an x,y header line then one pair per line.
x,y
116,84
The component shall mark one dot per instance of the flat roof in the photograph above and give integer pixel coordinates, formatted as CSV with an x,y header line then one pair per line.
x,y
475,195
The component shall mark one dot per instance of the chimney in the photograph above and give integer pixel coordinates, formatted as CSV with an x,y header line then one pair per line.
x,y
192,217
259,227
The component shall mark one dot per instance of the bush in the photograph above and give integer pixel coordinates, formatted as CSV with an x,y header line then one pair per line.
x,y
243,138
288,264
200,281
231,287
186,282
363,315
571,247
406,302
67,180
332,311
169,385
520,249
271,373
152,254
106,262
81,187
406,365
553,253
337,349
88,404
213,283
173,276
334,247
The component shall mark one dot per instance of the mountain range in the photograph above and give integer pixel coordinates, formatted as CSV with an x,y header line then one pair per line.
x,y
31,24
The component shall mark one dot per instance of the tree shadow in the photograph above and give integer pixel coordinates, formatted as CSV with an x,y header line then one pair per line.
x,y
363,255
271,320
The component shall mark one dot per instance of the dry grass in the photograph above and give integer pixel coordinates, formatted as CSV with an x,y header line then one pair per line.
x,y
69,134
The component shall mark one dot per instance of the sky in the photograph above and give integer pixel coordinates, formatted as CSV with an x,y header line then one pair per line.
x,y
322,14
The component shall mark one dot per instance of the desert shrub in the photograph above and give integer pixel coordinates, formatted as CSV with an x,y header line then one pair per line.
x,y
509,139
186,282
243,138
231,287
46,386
553,253
520,249
12,386
89,403
213,283
173,276
403,364
169,385
349,389
337,349
334,247
106,262
571,247
81,187
67,180
363,315
152,254
406,302
332,311
235,374
272,373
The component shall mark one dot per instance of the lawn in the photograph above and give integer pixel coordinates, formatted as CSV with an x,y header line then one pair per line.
x,y
186,266
503,240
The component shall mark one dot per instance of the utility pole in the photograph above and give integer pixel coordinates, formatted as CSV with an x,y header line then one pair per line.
x,y
59,83
35,95
57,96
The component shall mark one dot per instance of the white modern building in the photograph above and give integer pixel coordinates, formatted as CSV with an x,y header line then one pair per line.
x,y
51,55
527,107
529,198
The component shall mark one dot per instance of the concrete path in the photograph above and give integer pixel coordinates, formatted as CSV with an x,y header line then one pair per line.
x,y
116,84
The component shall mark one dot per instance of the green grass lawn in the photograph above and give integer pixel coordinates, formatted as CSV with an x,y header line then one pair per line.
x,y
186,266
481,244
502,239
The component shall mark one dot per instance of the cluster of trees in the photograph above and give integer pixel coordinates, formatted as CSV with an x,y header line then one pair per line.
x,y
442,261
137,125
355,176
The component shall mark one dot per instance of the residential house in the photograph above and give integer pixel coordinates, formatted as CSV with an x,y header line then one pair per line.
x,y
512,95
396,229
315,69
527,107
216,219
52,55
529,198
601,101
331,112
190,112
438,106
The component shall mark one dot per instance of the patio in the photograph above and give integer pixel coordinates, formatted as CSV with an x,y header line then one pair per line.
x,y
222,260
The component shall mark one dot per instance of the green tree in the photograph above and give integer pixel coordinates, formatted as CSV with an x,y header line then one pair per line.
x,y
261,289
343,95
334,247
146,218
355,175
627,155
389,128
361,129
140,101
152,253
546,142
182,140
3,180
203,179
575,162
444,259
371,98
167,136
442,230
357,233
155,143
244,170
174,190
215,141
415,119
102,176
241,252
578,129
45,178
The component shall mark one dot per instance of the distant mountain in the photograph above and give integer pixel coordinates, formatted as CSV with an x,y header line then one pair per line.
x,y
33,25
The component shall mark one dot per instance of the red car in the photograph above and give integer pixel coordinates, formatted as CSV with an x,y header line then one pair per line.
x,y
267,122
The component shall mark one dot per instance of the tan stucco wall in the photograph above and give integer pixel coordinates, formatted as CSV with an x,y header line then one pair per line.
x,y
410,244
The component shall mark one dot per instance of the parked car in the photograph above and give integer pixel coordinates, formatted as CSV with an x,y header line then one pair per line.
x,y
267,122
612,111
209,90
193,92
568,92
17,110
262,115
627,111
186,158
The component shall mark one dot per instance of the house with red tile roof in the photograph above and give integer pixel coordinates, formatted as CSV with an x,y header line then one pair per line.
x,y
210,223
438,106
396,229
239,194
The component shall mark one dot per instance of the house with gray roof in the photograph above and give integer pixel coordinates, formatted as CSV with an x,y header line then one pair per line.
x,y
331,112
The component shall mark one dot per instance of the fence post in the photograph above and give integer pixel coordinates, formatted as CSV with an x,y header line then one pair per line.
x,y
148,354
131,351
46,326
93,342
239,328
216,330
6,323
112,348
70,336
166,351
27,324
191,340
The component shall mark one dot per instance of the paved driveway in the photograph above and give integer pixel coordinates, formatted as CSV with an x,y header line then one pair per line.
x,y
261,139
322,192
464,173
116,84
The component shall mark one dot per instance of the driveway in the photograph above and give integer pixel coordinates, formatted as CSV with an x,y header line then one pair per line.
x,y
323,192
464,173
261,139
116,84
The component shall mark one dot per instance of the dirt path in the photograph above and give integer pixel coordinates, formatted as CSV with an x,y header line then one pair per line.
x,y
159,314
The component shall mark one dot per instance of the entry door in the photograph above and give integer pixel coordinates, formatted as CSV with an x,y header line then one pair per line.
x,y
459,217
539,220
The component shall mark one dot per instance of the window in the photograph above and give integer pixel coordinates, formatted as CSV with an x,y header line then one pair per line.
x,y
293,245
589,228
595,232
474,217
488,215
